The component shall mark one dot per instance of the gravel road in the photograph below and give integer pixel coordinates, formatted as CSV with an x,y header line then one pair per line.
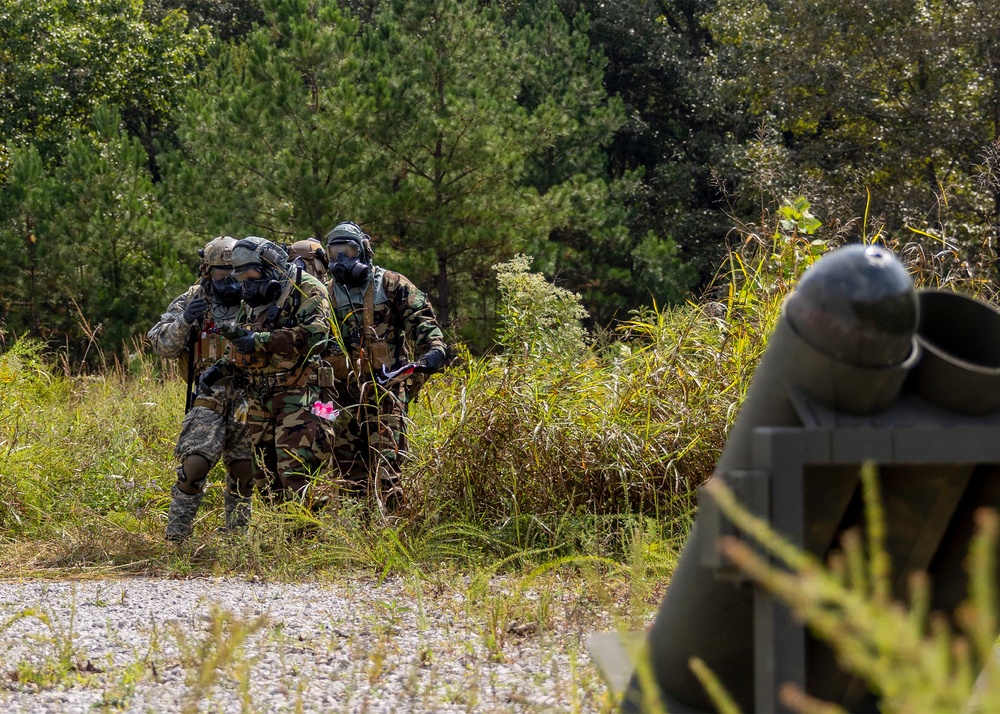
x,y
233,645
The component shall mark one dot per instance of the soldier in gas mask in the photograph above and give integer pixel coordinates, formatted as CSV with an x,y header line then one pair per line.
x,y
283,327
382,322
189,330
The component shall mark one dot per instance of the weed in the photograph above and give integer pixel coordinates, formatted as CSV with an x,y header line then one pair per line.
x,y
220,650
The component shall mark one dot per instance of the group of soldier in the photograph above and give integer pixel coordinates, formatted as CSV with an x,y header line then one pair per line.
x,y
300,365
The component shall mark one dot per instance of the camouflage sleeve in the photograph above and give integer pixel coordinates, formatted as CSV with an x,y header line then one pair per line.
x,y
312,322
170,335
417,316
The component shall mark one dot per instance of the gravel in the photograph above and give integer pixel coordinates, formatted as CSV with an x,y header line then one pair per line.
x,y
356,645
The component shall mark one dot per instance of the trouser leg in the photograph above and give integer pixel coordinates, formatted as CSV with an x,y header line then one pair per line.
x,y
237,498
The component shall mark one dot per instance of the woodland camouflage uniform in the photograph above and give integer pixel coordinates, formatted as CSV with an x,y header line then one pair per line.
x,y
210,430
381,320
280,360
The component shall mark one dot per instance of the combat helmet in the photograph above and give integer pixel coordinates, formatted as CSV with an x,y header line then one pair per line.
x,y
351,254
269,259
218,253
310,252
254,252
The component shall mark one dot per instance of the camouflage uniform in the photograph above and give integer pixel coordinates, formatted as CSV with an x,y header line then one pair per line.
x,y
210,429
284,373
384,322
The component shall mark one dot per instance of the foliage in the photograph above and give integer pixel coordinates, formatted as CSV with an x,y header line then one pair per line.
x,y
896,101
273,129
228,19
90,253
493,140
537,318
677,130
59,60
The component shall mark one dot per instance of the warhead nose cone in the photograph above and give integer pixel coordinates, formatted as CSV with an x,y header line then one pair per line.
x,y
857,305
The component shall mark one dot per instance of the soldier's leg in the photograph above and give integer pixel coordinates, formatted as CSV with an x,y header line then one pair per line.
x,y
199,446
238,457
386,438
350,450
261,430
299,438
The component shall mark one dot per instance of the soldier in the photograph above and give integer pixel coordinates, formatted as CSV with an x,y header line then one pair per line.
x,y
382,322
284,326
310,253
211,430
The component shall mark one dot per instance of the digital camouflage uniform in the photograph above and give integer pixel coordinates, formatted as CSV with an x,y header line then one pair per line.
x,y
210,430
385,322
284,378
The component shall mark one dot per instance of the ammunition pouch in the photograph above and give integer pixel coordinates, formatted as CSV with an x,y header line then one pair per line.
x,y
292,378
256,360
340,365
210,403
211,346
377,355
326,376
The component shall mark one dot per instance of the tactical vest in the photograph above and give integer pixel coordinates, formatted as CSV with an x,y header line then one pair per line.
x,y
211,346
267,318
208,346
368,351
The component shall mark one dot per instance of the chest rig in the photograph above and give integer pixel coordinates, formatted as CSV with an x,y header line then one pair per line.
x,y
208,344
266,318
367,349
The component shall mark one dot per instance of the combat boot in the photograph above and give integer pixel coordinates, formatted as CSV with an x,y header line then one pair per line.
x,y
180,516
237,512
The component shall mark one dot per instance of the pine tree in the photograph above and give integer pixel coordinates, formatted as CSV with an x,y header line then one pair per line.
x,y
274,132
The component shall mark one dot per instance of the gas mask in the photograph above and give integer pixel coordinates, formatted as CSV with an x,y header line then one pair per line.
x,y
349,271
227,292
261,291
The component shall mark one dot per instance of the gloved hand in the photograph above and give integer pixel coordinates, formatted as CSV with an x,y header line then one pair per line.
x,y
209,377
231,331
247,344
430,362
195,309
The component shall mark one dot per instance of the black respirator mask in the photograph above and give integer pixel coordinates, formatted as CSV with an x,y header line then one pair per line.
x,y
228,291
261,291
349,271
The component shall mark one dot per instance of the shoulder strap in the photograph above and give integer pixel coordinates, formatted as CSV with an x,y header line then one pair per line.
x,y
369,309
275,309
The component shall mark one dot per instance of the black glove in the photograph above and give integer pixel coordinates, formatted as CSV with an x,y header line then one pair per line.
x,y
247,344
209,377
195,309
231,331
430,362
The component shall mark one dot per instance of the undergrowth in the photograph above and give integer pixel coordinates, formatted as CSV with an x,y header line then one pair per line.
x,y
562,444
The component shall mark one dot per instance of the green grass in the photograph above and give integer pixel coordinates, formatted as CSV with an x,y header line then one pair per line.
x,y
565,461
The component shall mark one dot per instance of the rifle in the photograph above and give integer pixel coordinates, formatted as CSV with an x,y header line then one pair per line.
x,y
191,388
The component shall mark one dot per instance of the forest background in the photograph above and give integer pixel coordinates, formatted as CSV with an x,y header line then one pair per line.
x,y
656,171
617,144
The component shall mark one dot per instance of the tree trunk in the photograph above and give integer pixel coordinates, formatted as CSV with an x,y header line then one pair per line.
x,y
443,307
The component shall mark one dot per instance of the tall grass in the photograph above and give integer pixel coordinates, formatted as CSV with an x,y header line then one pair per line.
x,y
561,444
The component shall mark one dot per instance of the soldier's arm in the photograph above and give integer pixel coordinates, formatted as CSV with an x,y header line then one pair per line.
x,y
312,323
169,337
418,320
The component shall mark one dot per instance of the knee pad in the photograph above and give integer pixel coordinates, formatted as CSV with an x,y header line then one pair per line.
x,y
241,477
192,473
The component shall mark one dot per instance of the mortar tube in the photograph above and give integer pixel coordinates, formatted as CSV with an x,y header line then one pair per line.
x,y
702,616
